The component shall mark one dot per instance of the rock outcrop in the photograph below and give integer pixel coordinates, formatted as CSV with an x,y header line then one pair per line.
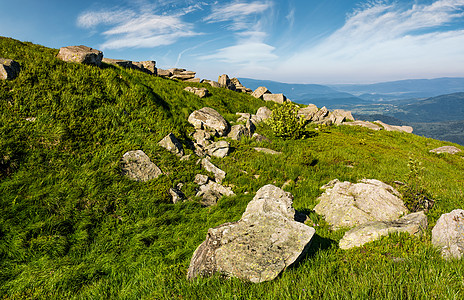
x,y
260,91
257,248
137,166
200,92
211,192
446,149
209,119
407,129
345,204
414,224
182,74
277,98
448,234
81,54
239,87
9,69
225,82
364,124
171,143
148,66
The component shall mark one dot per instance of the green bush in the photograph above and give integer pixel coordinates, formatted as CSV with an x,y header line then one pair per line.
x,y
285,123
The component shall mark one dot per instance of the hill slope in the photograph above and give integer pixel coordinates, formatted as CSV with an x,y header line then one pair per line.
x,y
72,227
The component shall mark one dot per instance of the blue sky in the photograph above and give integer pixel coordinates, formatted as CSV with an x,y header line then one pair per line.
x,y
297,41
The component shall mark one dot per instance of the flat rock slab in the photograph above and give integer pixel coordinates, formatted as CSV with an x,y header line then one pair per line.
x,y
446,149
363,124
407,129
414,224
219,174
345,204
137,166
448,234
171,144
258,247
209,119
267,151
277,98
218,149
81,54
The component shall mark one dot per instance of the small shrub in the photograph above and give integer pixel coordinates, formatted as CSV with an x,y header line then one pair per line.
x,y
285,123
415,196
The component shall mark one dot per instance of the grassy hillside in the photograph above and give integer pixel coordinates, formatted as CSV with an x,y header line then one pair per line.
x,y
71,227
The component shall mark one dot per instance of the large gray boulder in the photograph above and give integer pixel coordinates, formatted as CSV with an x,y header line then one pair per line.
x,y
137,166
238,131
345,204
219,174
308,112
171,144
9,69
200,92
414,224
446,149
118,62
277,98
262,114
218,149
365,124
225,82
260,91
209,119
448,234
257,248
81,54
341,116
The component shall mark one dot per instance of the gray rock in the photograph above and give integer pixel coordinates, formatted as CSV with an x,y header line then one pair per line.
x,y
196,80
448,234
137,166
257,248
267,151
262,114
149,66
200,92
212,83
407,129
176,194
9,69
164,73
209,119
341,116
308,112
218,149
118,62
414,224
201,179
238,131
277,98
225,82
446,149
219,174
171,143
243,117
217,188
202,137
260,138
250,126
345,204
260,91
363,124
81,54
320,115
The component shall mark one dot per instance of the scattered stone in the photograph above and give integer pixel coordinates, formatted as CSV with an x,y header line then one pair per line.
x,y
260,138
9,69
308,112
218,149
171,143
278,98
202,137
363,124
345,204
257,248
31,119
81,54
414,224
200,92
448,234
212,83
176,194
260,91
446,149
219,174
238,131
262,114
210,119
201,179
118,62
216,187
137,166
267,151
407,129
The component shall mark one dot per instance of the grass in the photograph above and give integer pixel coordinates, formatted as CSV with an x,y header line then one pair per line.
x,y
71,227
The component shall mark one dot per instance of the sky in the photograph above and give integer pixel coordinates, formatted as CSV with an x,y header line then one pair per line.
x,y
294,41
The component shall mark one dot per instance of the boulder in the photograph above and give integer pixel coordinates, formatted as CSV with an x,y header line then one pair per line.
x,y
278,98
320,115
345,204
81,54
219,174
224,81
9,69
202,137
137,166
250,126
209,119
239,87
118,62
414,224
218,149
176,194
257,248
196,80
262,114
182,75
216,188
200,92
341,116
260,91
407,129
363,124
150,66
164,73
308,112
267,151
448,234
212,83
243,117
201,179
238,131
171,143
260,138
446,149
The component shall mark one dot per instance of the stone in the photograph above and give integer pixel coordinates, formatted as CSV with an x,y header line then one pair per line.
x,y
224,80
260,91
250,126
202,137
448,234
218,149
164,73
414,224
212,83
81,54
243,117
9,69
171,143
238,131
209,119
219,174
118,62
267,151
177,195
200,92
320,115
201,179
196,80
137,166
260,138
262,114
363,124
308,112
341,116
149,66
181,74
446,149
239,87
407,129
277,98
257,248
345,204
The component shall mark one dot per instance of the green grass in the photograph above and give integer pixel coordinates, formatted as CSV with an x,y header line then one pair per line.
x,y
71,227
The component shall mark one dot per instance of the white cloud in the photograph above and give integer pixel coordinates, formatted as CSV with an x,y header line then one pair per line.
x,y
244,53
236,11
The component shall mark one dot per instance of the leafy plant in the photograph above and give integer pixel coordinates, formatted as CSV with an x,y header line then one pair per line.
x,y
415,196
285,123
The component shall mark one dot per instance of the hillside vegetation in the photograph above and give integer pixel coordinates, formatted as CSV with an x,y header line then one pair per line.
x,y
72,227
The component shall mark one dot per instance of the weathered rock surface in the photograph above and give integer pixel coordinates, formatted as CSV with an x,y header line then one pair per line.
x,y
414,224
200,92
148,66
345,204
171,143
320,115
201,179
137,166
81,54
239,86
258,247
277,98
260,138
341,116
211,192
407,129
209,119
9,69
448,234
308,112
263,113
363,124
212,83
260,91
267,151
118,62
176,194
218,149
182,74
164,73
219,174
446,149
238,131
202,137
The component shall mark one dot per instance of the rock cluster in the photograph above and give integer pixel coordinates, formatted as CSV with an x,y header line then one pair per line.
x,y
200,92
232,84
323,116
81,54
211,191
257,248
144,66
9,69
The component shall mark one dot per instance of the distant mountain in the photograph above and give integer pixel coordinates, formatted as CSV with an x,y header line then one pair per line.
x,y
319,95
403,89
